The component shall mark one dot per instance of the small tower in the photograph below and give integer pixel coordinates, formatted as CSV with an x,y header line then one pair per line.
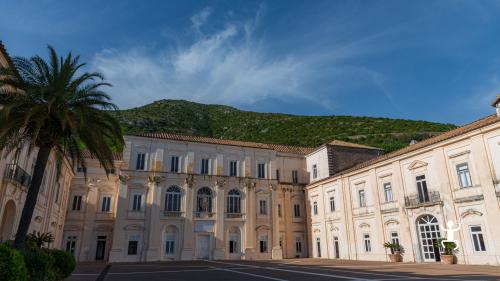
x,y
496,104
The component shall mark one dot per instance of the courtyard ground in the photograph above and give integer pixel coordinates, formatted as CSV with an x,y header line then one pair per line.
x,y
283,270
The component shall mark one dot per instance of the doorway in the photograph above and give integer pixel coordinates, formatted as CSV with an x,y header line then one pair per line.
x,y
428,229
203,247
336,247
100,248
7,222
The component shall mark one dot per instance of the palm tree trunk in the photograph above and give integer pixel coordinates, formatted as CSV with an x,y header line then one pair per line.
x,y
31,197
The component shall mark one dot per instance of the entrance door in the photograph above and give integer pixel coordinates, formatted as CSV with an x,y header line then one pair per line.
x,y
203,246
336,247
428,229
100,248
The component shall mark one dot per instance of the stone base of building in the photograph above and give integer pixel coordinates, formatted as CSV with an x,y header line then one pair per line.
x,y
187,254
277,253
249,253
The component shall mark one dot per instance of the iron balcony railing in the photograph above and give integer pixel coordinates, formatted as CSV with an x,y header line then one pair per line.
x,y
172,213
234,215
203,214
15,173
423,199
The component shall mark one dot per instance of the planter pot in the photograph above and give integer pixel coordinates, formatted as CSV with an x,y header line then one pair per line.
x,y
448,259
395,257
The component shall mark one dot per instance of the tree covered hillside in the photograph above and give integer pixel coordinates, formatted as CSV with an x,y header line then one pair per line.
x,y
219,121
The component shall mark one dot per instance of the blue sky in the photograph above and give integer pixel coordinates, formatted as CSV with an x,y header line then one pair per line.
x,y
426,60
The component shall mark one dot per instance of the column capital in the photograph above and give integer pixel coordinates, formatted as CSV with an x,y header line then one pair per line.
x,y
190,180
124,178
156,179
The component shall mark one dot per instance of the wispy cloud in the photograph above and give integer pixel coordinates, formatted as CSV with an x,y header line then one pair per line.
x,y
230,65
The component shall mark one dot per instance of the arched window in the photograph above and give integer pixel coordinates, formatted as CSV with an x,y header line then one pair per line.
x,y
173,199
204,200
233,202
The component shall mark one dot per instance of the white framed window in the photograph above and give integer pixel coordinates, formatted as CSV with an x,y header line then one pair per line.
x,y
140,164
233,202
298,245
106,204
367,243
295,176
133,245
318,247
71,244
263,244
174,164
263,207
394,237
261,170
332,204
477,238
173,199
463,174
77,203
233,168
315,208
136,202
362,198
170,244
388,192
204,166
423,194
296,210
315,171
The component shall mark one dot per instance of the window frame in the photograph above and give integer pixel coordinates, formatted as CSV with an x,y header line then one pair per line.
x,y
140,164
174,163
480,236
465,172
362,198
367,243
388,194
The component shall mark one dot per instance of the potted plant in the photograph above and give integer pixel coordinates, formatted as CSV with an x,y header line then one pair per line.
x,y
396,251
447,252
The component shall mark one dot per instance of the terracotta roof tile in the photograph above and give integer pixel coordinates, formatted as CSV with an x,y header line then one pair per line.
x,y
350,144
275,147
117,156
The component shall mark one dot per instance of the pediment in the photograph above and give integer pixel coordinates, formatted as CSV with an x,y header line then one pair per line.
x,y
262,227
391,221
72,227
417,164
364,225
471,212
133,227
103,228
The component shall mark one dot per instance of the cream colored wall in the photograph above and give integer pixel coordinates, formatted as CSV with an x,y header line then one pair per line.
x,y
476,205
320,158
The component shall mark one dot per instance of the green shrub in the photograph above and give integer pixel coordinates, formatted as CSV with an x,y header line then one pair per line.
x,y
64,263
12,266
40,265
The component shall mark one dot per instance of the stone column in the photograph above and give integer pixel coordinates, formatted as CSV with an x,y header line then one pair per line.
x,y
250,220
91,205
276,251
219,252
187,240
153,246
117,250
286,211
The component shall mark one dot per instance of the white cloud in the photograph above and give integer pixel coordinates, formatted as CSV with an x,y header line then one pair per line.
x,y
229,66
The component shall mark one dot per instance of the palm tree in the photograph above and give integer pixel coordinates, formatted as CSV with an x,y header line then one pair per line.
x,y
53,106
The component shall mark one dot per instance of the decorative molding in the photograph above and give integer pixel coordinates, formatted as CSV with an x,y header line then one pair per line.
x,y
364,225
38,219
156,179
262,227
391,221
220,183
392,210
459,154
417,164
72,227
250,184
103,228
124,178
469,199
471,212
190,180
133,227
317,230
384,175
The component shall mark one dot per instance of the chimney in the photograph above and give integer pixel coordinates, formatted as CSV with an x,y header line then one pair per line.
x,y
496,104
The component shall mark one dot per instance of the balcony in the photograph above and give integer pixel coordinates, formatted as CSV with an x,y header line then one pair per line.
x,y
203,215
16,174
417,201
235,216
172,214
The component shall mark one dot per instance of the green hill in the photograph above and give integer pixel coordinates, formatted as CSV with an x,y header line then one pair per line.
x,y
219,121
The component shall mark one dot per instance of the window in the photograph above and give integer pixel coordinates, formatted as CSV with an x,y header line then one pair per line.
x,y
174,164
368,243
233,246
362,199
263,207
332,204
77,203
315,171
204,166
278,175
298,245
106,204
71,244
136,202
477,238
204,200
80,169
233,202
261,169
173,199
315,207
318,247
133,244
263,244
423,195
394,237
279,210
464,175
233,168
388,192
296,210
295,176
141,161
170,244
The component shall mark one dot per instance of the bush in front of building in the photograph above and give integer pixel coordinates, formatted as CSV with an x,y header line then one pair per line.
x,y
12,267
40,265
64,263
